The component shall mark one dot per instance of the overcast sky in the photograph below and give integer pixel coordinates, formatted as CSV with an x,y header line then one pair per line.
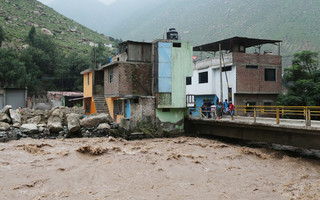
x,y
103,1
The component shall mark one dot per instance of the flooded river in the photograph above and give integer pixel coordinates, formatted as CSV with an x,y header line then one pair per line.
x,y
170,168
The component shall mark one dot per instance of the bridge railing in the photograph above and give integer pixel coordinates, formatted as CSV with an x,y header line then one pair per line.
x,y
278,112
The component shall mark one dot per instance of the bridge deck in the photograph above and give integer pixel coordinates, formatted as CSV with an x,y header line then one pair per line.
x,y
287,132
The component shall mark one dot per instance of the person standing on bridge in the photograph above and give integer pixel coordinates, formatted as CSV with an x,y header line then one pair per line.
x,y
231,109
225,107
213,111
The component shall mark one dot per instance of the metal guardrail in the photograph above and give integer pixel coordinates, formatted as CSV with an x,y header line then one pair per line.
x,y
277,112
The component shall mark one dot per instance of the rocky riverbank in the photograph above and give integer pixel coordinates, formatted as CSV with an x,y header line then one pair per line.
x,y
59,122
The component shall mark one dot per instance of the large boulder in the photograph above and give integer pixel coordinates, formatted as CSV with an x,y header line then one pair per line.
x,y
73,122
5,118
55,124
4,126
6,109
42,106
15,116
103,126
95,120
29,128
34,120
46,31
57,112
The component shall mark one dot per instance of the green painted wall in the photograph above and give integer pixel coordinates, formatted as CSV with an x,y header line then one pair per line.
x,y
182,66
172,120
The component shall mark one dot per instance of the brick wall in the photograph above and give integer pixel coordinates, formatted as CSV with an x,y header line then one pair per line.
x,y
129,79
259,99
113,87
253,80
143,110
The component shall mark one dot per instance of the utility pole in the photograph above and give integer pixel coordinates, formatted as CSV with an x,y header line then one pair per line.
x,y
221,88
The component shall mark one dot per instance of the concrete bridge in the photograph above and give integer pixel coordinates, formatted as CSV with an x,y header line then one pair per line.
x,y
291,132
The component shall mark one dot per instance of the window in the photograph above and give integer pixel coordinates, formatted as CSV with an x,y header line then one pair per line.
x,y
188,80
190,100
177,45
270,74
165,109
203,77
110,72
225,69
88,79
252,67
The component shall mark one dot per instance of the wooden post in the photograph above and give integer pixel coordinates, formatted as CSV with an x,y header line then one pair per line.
x,y
254,115
200,110
278,120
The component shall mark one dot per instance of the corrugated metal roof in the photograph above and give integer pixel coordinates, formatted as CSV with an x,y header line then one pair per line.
x,y
65,93
86,71
227,43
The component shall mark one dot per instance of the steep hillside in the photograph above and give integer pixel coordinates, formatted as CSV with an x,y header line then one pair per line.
x,y
18,16
293,21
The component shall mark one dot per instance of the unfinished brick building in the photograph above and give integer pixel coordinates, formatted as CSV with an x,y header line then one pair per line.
x,y
143,83
246,78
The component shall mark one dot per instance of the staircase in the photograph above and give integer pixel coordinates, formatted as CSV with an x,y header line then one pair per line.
x,y
101,104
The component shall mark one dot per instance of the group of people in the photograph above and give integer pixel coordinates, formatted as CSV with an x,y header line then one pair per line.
x,y
211,110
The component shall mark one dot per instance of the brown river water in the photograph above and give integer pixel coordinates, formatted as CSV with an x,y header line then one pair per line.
x,y
170,168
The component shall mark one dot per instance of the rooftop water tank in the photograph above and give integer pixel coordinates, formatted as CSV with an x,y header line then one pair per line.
x,y
172,34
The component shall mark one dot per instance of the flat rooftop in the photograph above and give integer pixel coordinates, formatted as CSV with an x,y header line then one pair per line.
x,y
230,43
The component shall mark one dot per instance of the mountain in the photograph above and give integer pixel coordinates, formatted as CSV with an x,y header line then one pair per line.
x,y
296,22
98,16
18,16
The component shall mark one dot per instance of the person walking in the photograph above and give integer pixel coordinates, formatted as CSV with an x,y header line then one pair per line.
x,y
204,109
231,108
213,111
226,107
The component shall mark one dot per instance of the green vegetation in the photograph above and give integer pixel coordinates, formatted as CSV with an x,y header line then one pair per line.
x,y
12,70
302,80
98,55
43,50
17,17
42,67
1,35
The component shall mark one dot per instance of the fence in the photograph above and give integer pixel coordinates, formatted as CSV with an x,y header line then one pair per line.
x,y
277,112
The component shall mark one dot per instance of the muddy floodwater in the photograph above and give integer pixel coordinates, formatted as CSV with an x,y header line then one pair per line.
x,y
170,168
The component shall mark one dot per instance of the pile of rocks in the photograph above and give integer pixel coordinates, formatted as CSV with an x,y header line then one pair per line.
x,y
59,122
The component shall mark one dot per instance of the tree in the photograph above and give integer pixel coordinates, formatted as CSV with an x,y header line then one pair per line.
x,y
302,80
32,69
12,70
2,35
76,63
307,60
31,35
99,55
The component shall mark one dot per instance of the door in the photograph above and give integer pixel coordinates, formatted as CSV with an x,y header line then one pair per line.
x,y
15,98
